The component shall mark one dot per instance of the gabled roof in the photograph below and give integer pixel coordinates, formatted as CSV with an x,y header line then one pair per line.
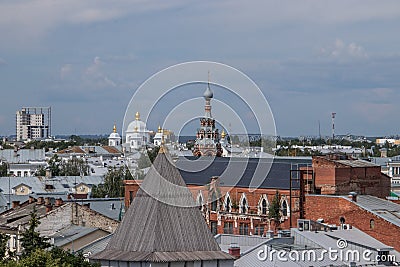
x,y
163,223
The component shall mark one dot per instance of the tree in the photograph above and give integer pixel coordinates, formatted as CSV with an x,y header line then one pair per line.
x,y
31,240
3,245
3,169
113,185
274,211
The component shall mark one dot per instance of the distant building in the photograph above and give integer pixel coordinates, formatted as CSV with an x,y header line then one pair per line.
x,y
137,135
391,141
33,123
207,136
114,139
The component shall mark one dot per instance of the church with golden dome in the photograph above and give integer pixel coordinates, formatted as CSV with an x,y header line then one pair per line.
x,y
137,135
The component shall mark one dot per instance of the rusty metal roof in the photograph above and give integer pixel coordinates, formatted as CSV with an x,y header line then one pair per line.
x,y
163,223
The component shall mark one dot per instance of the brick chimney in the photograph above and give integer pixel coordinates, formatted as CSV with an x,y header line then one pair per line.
x,y
59,202
31,199
47,201
15,204
49,208
40,201
234,250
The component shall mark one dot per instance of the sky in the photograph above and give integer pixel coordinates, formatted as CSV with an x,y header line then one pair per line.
x,y
86,59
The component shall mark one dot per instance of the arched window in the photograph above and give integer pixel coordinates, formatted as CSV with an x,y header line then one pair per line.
x,y
284,208
371,224
243,204
200,201
228,203
264,207
213,202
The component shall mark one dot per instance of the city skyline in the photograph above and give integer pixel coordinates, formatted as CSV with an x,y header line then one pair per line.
x,y
86,59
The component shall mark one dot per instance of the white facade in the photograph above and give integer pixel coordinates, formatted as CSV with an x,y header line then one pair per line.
x,y
114,139
137,135
158,137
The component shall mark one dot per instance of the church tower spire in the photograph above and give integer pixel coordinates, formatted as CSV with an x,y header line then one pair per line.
x,y
207,137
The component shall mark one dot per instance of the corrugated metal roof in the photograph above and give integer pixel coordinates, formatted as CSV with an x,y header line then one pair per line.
x,y
96,246
163,223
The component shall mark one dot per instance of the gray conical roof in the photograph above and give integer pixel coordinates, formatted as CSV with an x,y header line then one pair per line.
x,y
162,223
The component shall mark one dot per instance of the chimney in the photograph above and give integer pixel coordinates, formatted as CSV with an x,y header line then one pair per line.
x,y
87,205
40,200
48,174
47,201
270,234
31,199
48,208
15,204
234,250
59,202
353,196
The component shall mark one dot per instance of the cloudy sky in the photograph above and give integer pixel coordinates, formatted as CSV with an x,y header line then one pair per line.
x,y
309,58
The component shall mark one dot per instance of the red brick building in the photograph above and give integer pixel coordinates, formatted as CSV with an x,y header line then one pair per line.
x,y
339,175
235,200
377,217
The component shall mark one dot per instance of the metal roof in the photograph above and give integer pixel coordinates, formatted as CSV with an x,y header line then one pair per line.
x,y
71,233
240,172
357,163
22,155
385,209
37,183
163,223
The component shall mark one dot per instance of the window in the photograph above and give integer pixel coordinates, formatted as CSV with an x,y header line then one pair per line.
x,y
200,200
243,229
259,230
284,208
264,207
243,204
130,197
214,202
214,229
228,228
228,204
371,224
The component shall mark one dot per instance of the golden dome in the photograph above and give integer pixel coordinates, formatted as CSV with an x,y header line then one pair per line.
x,y
115,129
137,116
223,134
159,129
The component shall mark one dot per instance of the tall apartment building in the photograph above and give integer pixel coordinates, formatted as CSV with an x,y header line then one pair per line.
x,y
33,123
